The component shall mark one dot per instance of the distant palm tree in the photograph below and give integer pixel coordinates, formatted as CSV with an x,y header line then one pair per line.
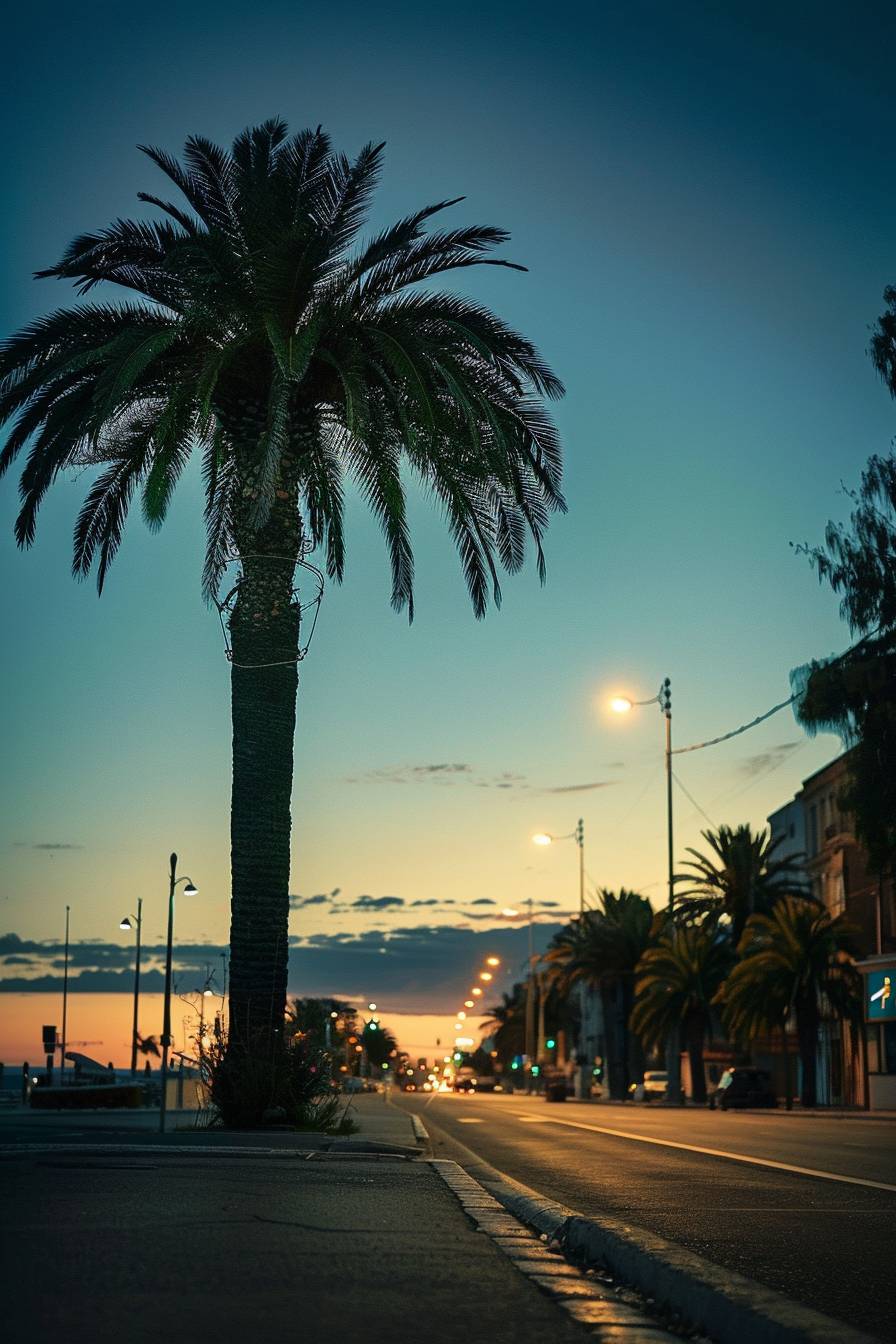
x,y
741,876
675,983
797,961
505,1022
266,338
603,949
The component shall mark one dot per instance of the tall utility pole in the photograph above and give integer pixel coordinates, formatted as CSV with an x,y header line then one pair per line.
x,y
64,1002
673,1051
135,1025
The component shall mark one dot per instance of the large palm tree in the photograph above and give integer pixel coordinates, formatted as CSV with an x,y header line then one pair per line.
x,y
675,983
743,874
264,336
796,961
602,949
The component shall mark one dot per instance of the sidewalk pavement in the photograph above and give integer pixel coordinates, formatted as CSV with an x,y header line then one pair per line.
x,y
110,1230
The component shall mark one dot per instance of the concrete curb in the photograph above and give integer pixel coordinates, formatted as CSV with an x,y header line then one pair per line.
x,y
339,1148
421,1134
723,1304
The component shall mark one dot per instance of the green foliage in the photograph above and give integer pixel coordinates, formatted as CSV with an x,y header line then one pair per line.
x,y
606,944
741,876
678,977
254,1083
379,1044
506,1023
266,336
796,960
855,694
603,948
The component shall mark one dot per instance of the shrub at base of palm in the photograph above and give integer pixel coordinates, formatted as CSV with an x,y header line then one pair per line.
x,y
253,1085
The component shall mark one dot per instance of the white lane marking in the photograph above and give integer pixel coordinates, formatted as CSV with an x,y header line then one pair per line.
x,y
716,1152
468,1120
534,1119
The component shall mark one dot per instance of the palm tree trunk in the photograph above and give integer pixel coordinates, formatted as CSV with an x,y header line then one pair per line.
x,y
694,1032
264,630
807,1035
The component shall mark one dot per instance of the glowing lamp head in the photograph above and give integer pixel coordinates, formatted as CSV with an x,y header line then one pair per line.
x,y
620,704
476,992
493,961
468,1003
125,924
542,838
190,889
485,975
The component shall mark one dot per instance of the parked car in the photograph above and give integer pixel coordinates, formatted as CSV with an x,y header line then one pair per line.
x,y
743,1087
652,1087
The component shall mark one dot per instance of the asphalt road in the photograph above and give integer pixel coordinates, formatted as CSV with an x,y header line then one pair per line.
x,y
826,1239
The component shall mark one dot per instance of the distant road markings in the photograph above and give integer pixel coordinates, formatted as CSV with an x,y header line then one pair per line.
x,y
713,1152
468,1120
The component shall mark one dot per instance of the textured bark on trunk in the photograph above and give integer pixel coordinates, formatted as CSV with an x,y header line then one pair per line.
x,y
264,631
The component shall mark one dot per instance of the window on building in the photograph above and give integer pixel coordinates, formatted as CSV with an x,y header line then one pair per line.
x,y
813,830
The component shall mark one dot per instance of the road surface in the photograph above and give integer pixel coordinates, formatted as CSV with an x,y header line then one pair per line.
x,y
803,1204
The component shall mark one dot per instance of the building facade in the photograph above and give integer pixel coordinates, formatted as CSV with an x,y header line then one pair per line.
x,y
853,1067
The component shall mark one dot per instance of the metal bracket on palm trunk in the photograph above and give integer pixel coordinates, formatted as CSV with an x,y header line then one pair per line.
x,y
226,605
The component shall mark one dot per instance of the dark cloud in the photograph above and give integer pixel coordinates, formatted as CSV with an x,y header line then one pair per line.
x,y
431,901
46,845
579,788
321,898
377,903
410,969
439,772
767,760
483,900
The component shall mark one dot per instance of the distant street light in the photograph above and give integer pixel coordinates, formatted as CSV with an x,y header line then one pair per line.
x,y
167,1038
493,961
621,704
468,1003
135,922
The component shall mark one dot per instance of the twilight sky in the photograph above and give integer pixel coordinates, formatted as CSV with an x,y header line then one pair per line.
x,y
704,200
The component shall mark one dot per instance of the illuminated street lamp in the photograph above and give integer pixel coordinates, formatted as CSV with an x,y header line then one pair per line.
x,y
486,975
135,922
468,1003
545,838
493,961
622,704
167,1038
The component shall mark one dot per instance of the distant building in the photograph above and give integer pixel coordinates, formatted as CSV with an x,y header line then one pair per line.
x,y
815,824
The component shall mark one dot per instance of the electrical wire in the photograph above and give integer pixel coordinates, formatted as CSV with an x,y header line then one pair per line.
x,y
735,732
691,799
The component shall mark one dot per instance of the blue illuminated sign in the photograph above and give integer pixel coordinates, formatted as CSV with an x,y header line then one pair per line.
x,y
880,995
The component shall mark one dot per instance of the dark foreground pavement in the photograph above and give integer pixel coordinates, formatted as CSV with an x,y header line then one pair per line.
x,y
110,1231
141,1248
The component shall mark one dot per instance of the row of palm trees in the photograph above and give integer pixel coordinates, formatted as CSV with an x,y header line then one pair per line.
x,y
746,951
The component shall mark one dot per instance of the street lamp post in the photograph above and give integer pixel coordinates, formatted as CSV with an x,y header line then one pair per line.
x,y
621,705
135,922
167,1041
545,838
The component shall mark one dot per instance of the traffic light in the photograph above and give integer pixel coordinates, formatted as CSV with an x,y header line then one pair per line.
x,y
550,1043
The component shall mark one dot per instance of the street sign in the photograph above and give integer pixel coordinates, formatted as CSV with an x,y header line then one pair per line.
x,y
880,996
